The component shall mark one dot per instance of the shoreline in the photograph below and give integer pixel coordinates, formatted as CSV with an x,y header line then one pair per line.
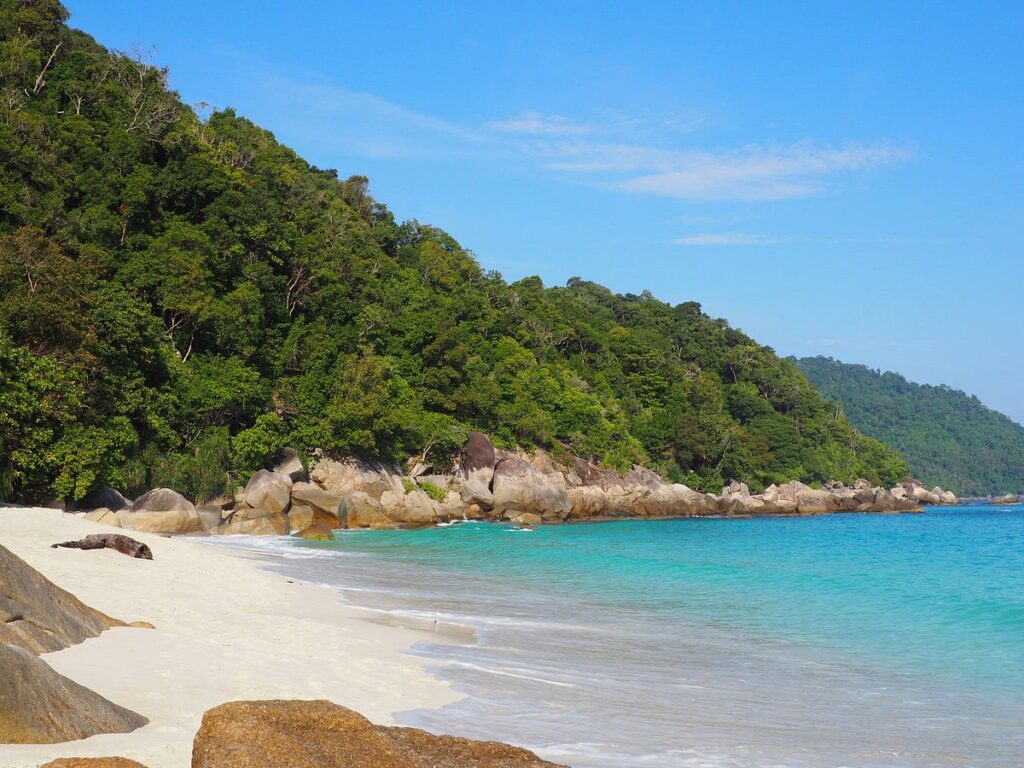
x,y
225,629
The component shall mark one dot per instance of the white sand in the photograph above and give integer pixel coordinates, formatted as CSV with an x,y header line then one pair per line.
x,y
225,630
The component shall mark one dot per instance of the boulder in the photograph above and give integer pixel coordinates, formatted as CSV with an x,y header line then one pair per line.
x,y
39,616
314,496
162,511
287,462
103,497
922,495
478,459
359,510
301,516
518,488
410,510
317,734
38,706
344,477
249,521
473,491
948,497
316,532
212,516
269,490
812,502
92,762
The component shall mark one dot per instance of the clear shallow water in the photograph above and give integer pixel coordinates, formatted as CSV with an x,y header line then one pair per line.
x,y
842,640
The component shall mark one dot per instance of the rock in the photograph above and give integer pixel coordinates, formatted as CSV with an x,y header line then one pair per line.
x,y
812,502
270,491
116,541
344,477
104,517
301,516
92,762
518,488
527,518
410,510
38,706
211,515
473,491
1009,498
287,462
948,497
103,497
359,510
319,734
316,532
248,521
736,487
316,497
39,616
923,496
162,511
478,460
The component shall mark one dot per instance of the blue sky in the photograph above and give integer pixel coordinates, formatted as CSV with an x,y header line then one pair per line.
x,y
838,178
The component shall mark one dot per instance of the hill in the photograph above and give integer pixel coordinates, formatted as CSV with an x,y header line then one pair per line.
x,y
948,438
180,296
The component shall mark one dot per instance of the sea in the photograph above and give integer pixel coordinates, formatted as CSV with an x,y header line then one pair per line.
x,y
866,641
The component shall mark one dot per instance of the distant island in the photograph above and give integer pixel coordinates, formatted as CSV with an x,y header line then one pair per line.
x,y
948,437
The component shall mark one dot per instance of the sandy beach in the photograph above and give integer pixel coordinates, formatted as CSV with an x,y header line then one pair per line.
x,y
224,630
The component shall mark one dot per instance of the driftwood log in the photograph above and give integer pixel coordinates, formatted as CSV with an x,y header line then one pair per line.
x,y
123,544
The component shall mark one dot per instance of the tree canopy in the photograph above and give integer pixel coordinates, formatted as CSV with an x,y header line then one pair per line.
x,y
949,438
180,296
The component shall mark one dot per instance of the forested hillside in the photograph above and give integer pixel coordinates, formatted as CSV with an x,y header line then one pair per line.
x,y
947,437
179,296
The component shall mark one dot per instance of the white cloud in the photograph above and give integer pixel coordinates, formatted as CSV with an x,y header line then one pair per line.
x,y
752,173
650,159
539,124
727,239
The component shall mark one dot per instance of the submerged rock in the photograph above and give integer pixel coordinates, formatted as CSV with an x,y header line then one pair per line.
x,y
318,734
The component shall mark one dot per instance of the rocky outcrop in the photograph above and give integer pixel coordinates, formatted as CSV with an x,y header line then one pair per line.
x,y
314,734
162,511
491,484
1009,498
39,616
38,706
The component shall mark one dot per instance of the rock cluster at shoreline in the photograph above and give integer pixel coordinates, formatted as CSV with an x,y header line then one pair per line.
x,y
37,705
489,484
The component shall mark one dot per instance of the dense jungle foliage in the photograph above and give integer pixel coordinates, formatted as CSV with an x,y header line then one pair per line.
x,y
180,296
947,437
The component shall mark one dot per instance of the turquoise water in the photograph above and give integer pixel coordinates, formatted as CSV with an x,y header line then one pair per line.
x,y
847,640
